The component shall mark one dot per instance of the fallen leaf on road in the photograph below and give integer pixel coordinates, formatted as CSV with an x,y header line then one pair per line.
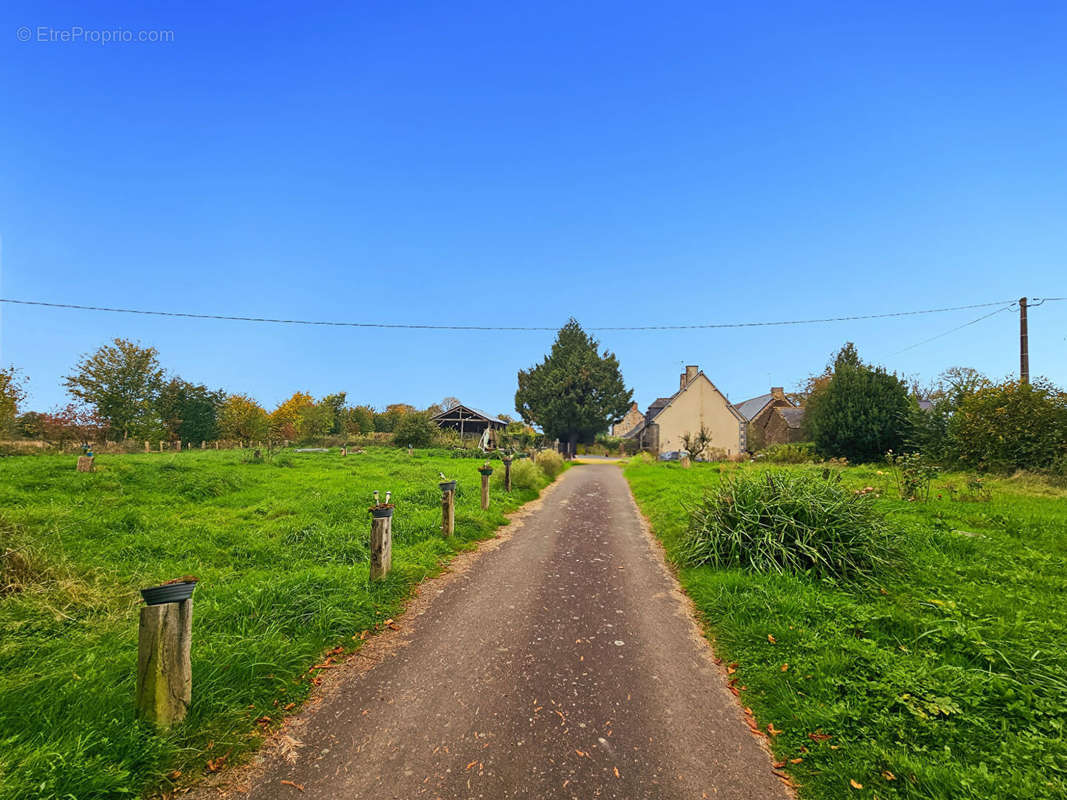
x,y
778,764
731,668
472,763
795,760
294,785
855,784
616,771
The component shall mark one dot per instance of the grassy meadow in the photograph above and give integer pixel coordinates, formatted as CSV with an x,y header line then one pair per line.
x,y
281,552
944,677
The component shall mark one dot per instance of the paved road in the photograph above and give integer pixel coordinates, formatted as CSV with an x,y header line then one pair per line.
x,y
561,664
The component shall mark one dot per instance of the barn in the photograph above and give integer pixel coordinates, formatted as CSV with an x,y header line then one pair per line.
x,y
468,421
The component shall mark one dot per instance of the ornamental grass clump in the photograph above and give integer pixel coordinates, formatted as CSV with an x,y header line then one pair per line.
x,y
788,522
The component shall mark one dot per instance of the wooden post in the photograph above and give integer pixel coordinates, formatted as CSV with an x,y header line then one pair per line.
x,y
485,492
507,474
147,448
411,450
164,666
179,447
381,546
85,464
161,447
203,445
448,512
685,461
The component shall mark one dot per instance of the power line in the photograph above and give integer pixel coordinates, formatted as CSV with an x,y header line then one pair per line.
x,y
422,326
957,328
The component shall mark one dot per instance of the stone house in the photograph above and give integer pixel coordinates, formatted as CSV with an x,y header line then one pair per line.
x,y
697,403
772,419
785,426
633,418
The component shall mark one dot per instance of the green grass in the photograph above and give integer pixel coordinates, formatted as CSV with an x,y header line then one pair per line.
x,y
949,673
282,557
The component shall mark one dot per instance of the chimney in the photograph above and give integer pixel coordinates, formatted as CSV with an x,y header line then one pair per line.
x,y
691,371
778,393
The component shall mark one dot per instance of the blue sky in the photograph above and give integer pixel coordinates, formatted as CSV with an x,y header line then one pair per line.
x,y
512,164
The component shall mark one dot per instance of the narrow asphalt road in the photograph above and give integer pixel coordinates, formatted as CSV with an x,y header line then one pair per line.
x,y
561,664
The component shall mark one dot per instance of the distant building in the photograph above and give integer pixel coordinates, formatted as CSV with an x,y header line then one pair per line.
x,y
633,418
772,419
468,421
697,403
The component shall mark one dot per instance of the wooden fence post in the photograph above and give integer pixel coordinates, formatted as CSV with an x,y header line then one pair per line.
x,y
381,542
216,444
179,447
507,474
161,446
164,665
147,448
448,508
85,464
485,489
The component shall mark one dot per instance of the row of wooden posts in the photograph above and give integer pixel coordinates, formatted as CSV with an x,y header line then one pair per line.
x,y
164,646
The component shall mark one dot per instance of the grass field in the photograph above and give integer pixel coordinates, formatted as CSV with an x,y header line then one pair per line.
x,y
281,551
946,678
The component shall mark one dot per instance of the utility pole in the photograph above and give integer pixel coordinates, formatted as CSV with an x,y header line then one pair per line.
x,y
1024,345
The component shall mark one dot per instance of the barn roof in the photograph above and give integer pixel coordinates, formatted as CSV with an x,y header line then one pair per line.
x,y
471,410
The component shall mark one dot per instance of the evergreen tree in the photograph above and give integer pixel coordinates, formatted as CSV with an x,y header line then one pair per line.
x,y
860,413
576,392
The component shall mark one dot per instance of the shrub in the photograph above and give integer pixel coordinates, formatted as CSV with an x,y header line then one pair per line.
x,y
525,475
786,522
1011,426
798,453
415,429
550,462
447,437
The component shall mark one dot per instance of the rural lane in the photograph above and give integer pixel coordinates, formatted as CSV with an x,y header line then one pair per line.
x,y
562,663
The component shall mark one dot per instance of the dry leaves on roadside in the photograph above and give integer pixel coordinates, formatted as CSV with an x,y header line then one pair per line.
x,y
297,786
771,639
854,783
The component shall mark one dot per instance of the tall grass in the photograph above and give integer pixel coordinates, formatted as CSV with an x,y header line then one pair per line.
x,y
944,680
787,522
281,554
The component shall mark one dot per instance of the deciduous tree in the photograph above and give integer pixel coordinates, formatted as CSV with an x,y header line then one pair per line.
x,y
189,411
120,380
12,392
241,417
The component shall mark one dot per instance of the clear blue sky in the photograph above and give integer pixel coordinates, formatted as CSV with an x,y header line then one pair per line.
x,y
498,163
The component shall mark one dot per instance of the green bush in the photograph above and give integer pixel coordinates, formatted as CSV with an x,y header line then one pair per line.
x,y
797,453
787,522
550,462
1011,426
415,429
526,475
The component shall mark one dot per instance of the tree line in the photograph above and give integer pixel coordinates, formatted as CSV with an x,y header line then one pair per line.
x,y
121,392
963,419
